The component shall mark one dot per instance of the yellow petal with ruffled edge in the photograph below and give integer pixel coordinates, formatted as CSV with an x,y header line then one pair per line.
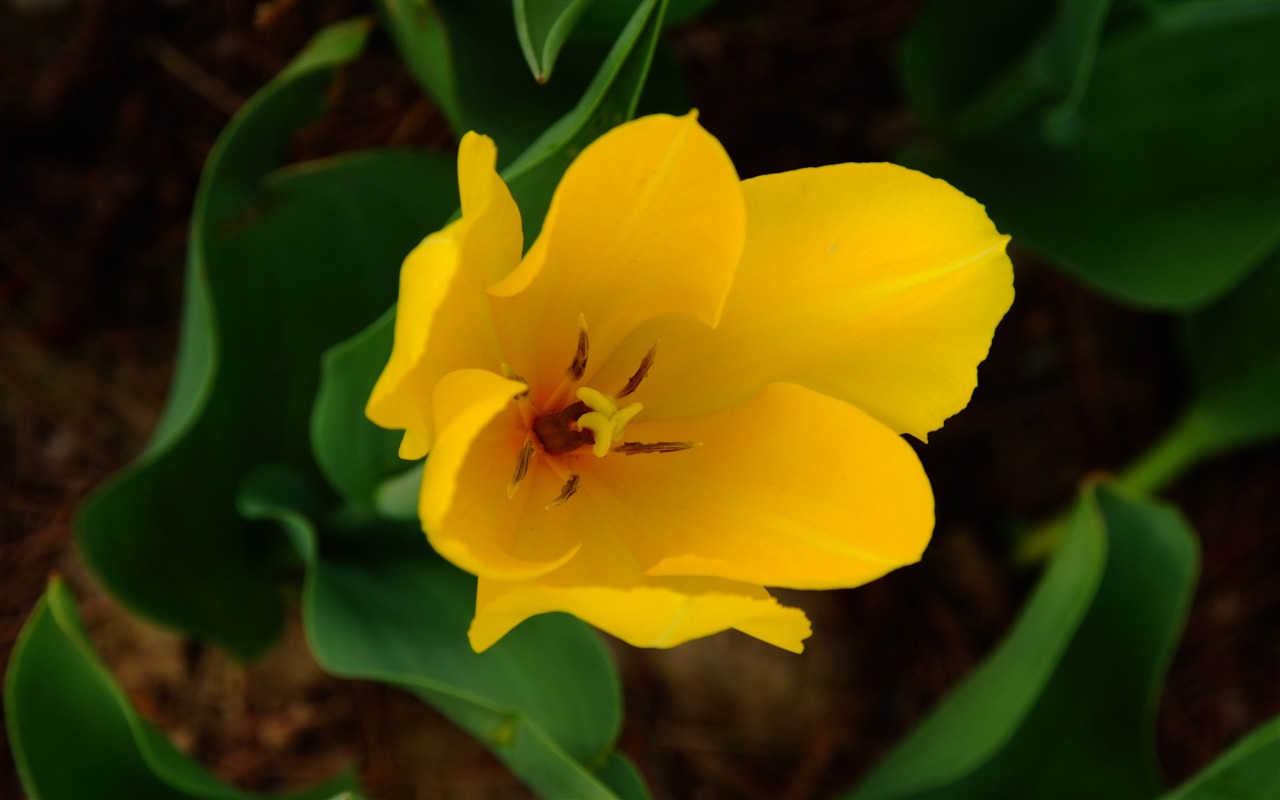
x,y
463,503
872,283
648,220
443,319
791,488
602,586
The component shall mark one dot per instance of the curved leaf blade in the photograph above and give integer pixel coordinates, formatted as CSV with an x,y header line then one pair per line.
x,y
1066,704
1157,187
542,27
970,68
379,605
281,265
351,368
75,734
135,529
1235,359
1246,771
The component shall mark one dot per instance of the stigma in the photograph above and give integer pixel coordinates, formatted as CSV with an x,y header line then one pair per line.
x,y
595,420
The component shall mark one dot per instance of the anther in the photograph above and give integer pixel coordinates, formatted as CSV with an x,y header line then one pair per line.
x,y
522,467
568,490
638,448
633,382
578,367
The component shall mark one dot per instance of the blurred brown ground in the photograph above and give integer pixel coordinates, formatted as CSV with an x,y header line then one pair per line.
x,y
107,112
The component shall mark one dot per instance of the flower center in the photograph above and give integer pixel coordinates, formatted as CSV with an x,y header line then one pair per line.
x,y
596,420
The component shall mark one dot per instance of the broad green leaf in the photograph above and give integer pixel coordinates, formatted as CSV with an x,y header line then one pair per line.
x,y
542,27
604,19
354,454
1235,361
338,425
281,265
1158,185
73,732
380,605
1234,350
610,100
971,67
623,779
467,56
1064,707
420,35
1245,772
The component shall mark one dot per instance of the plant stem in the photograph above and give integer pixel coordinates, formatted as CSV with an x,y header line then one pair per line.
x,y
1163,463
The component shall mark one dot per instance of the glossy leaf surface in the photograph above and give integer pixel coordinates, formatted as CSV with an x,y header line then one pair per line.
x,y
73,732
1235,363
380,605
1147,171
1064,707
1246,771
542,27
351,368
281,265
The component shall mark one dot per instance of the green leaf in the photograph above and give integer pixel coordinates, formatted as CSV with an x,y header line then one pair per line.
x,y
542,27
623,779
360,457
281,265
420,35
487,81
603,20
1247,771
74,733
354,454
380,605
1064,707
1157,184
971,67
1235,358
1231,347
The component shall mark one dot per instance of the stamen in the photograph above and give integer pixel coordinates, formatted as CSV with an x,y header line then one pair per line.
x,y
522,467
605,420
568,490
638,448
633,382
598,401
578,367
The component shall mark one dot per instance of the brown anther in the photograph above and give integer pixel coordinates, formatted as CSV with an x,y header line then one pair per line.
x,y
638,448
578,367
522,467
633,382
558,432
568,490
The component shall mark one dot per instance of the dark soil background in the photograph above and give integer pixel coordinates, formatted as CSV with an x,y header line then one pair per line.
x,y
107,111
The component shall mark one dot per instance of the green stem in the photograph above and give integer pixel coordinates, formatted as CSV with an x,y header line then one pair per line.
x,y
1170,458
1166,461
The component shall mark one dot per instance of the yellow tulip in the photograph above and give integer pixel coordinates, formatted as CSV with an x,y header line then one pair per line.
x,y
805,321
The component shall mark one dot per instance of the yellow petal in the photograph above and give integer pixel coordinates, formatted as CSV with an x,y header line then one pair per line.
x,y
443,316
601,585
792,488
869,282
463,503
648,220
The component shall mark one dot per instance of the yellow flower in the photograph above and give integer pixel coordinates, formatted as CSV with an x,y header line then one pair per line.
x,y
805,320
